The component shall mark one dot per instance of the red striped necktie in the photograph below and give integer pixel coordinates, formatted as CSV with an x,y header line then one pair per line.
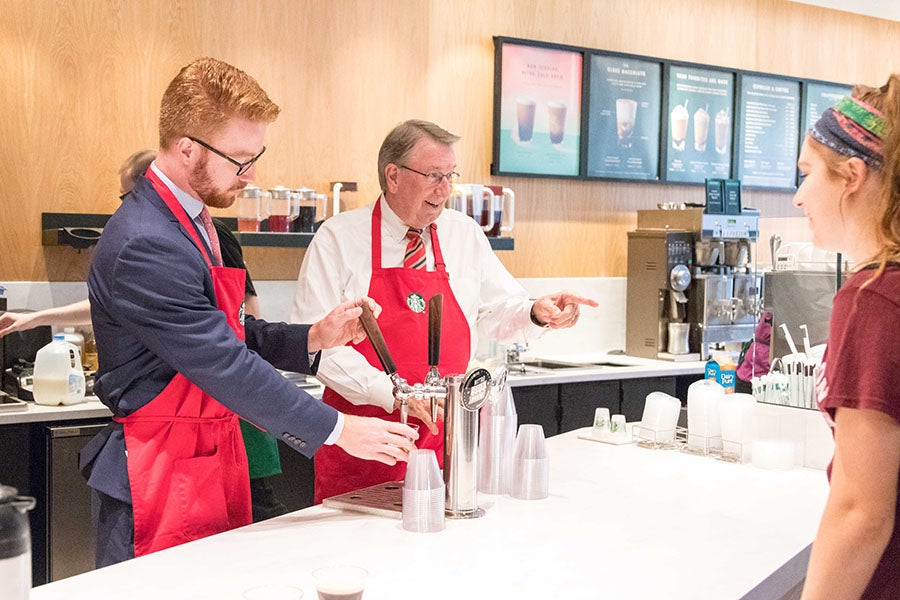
x,y
415,250
206,220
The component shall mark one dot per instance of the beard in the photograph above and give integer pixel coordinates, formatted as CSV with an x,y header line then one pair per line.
x,y
202,184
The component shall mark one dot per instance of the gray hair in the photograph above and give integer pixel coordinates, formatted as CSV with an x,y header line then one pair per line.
x,y
400,141
134,168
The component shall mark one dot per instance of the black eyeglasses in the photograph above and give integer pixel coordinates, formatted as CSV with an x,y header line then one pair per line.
x,y
243,167
435,178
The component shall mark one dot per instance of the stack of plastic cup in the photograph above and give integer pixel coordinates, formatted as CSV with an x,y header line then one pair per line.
x,y
531,465
423,493
704,428
496,440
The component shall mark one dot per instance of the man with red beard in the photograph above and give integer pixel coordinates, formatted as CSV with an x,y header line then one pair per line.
x,y
178,358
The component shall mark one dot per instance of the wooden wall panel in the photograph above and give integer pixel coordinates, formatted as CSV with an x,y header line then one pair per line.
x,y
81,80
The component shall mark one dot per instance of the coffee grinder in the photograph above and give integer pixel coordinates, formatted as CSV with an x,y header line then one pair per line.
x,y
659,278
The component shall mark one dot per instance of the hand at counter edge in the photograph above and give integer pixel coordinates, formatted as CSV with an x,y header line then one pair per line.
x,y
340,326
559,310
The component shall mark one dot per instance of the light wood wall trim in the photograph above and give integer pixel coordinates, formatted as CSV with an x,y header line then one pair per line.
x,y
80,83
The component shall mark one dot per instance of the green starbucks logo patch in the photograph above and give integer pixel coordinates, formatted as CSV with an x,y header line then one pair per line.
x,y
416,302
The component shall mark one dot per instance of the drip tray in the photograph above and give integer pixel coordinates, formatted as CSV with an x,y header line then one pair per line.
x,y
384,499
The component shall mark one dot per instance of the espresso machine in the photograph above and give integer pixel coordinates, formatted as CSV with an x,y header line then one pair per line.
x,y
724,296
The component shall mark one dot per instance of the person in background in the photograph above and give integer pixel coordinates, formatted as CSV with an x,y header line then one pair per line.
x,y
179,357
262,448
77,313
401,251
850,192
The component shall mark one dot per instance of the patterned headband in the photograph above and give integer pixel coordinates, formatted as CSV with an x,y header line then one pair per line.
x,y
852,128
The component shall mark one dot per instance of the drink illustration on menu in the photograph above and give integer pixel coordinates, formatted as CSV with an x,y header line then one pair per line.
x,y
723,131
679,125
626,111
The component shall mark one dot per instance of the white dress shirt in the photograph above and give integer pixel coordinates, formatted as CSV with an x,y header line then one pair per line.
x,y
338,267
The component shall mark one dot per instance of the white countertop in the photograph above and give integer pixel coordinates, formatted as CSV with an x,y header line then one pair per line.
x,y
628,367
36,413
620,522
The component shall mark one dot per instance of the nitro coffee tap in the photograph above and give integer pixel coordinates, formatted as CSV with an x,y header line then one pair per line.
x,y
402,390
462,396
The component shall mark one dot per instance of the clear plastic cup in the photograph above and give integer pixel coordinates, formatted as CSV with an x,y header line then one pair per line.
x,y
423,493
531,465
340,582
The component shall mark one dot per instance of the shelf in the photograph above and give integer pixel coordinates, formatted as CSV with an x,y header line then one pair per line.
x,y
65,229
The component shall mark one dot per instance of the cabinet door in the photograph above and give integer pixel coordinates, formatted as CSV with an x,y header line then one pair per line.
x,y
294,486
634,394
578,401
538,404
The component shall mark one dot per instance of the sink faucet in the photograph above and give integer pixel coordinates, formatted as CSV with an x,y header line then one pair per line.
x,y
514,354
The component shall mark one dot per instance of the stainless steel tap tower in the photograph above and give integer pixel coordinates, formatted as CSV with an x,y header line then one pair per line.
x,y
465,396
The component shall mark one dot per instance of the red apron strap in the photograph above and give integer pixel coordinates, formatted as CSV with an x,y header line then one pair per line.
x,y
175,207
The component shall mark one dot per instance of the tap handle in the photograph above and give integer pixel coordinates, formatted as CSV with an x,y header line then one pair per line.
x,y
435,316
373,332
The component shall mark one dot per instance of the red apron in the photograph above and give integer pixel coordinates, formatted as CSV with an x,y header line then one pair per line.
x,y
187,465
402,294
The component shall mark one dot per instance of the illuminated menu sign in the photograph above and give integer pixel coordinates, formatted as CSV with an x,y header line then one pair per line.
x,y
623,118
768,123
698,135
820,96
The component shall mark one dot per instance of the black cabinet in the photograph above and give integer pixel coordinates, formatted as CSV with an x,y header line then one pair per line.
x,y
578,402
564,407
294,485
538,404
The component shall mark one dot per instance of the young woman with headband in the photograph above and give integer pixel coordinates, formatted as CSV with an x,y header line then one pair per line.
x,y
850,163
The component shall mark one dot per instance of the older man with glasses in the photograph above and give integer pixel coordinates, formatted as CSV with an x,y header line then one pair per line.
x,y
401,251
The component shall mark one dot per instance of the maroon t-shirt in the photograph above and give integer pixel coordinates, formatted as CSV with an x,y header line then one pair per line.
x,y
861,369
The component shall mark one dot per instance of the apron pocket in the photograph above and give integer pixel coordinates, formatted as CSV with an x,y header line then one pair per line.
x,y
197,484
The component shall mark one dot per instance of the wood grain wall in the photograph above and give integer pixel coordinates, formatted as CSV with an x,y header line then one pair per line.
x,y
81,80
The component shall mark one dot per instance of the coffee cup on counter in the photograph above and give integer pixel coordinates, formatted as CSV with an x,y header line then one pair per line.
x,y
340,582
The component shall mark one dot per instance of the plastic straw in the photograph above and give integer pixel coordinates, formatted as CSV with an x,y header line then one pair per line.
x,y
789,339
805,338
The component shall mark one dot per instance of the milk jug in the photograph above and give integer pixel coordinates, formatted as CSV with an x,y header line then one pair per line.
x,y
58,376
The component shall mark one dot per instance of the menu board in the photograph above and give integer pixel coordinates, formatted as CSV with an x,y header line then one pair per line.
x,y
820,96
624,104
539,110
698,132
768,122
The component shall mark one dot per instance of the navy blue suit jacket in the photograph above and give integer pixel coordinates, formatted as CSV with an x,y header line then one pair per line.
x,y
154,314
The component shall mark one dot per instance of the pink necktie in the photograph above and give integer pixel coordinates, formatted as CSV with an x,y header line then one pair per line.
x,y
206,220
415,250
